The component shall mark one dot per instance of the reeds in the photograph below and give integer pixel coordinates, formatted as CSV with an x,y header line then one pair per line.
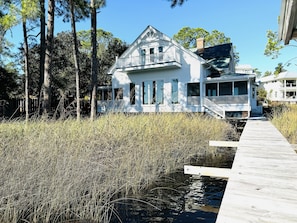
x,y
285,120
68,170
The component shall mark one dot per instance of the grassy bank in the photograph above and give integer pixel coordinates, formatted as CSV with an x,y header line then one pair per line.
x,y
285,120
53,171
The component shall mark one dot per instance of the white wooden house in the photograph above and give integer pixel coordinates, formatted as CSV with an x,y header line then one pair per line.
x,y
156,74
281,87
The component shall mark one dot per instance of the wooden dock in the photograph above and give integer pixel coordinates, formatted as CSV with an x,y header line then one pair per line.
x,y
262,184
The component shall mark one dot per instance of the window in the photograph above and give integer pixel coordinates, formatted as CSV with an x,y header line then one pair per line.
x,y
174,91
211,89
118,93
159,89
225,88
240,88
146,85
152,55
290,83
132,93
193,89
142,56
105,94
160,49
152,92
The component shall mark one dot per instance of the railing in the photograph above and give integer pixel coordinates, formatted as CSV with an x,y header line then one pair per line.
x,y
232,99
214,107
104,106
152,59
291,85
193,100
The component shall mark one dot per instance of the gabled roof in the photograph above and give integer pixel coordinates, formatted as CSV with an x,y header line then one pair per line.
x,y
148,34
280,76
218,51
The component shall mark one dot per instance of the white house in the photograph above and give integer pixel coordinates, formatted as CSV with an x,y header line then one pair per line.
x,y
156,74
281,87
244,69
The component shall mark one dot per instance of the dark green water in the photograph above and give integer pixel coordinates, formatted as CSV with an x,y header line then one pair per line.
x,y
177,198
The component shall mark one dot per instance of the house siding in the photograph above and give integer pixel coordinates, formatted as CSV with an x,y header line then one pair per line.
x,y
190,71
160,79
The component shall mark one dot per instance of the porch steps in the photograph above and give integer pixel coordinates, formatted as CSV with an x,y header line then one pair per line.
x,y
212,113
214,109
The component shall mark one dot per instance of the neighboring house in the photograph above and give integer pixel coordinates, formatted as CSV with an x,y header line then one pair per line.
x,y
281,87
244,69
156,74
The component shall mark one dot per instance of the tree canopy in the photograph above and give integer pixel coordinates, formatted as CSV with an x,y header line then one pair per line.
x,y
8,84
63,80
187,37
273,45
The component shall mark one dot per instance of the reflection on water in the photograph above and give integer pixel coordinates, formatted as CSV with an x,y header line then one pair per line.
x,y
177,198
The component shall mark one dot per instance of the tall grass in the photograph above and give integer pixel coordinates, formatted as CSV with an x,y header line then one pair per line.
x,y
285,120
68,170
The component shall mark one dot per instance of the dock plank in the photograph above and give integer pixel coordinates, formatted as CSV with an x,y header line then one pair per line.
x,y
262,183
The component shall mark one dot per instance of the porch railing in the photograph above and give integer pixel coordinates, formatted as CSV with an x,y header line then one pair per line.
x,y
152,59
232,99
215,108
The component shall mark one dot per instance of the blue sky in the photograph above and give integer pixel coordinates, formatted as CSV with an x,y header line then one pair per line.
x,y
245,22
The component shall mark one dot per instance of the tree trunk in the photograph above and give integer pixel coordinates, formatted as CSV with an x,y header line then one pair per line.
x,y
94,61
26,68
42,51
76,59
48,58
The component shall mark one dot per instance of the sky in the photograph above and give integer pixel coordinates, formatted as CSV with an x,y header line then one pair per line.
x,y
244,21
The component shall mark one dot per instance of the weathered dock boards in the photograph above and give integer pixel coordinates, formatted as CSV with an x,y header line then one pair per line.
x,y
262,185
207,171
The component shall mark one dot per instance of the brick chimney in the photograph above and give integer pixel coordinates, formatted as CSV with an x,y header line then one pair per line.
x,y
200,44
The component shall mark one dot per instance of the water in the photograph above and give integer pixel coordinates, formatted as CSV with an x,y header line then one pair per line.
x,y
177,198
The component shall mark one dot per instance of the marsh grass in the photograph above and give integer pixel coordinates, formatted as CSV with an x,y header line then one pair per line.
x,y
58,171
285,120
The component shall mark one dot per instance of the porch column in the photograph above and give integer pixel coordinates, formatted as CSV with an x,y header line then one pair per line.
x,y
218,89
249,92
285,89
202,88
232,88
